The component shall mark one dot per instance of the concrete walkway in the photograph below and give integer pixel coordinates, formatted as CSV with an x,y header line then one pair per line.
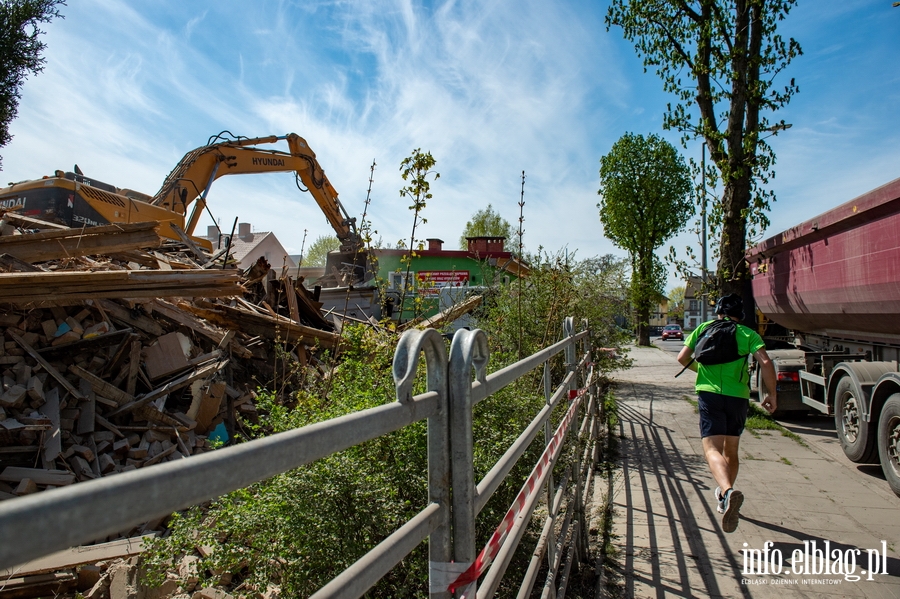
x,y
669,538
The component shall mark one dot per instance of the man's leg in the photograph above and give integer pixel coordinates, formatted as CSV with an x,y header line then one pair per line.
x,y
721,453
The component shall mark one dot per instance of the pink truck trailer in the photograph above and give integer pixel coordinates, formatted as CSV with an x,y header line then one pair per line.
x,y
834,283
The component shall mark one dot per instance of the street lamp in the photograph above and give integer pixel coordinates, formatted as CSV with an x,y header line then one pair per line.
x,y
704,305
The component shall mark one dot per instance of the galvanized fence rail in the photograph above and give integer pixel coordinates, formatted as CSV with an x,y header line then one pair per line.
x,y
37,525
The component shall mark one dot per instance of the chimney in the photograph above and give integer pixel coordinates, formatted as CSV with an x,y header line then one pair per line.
x,y
212,232
483,245
245,231
434,245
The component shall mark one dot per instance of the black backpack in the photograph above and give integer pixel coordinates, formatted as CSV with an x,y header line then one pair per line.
x,y
717,344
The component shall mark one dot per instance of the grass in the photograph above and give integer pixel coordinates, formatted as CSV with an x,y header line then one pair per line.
x,y
760,420
693,402
787,461
757,420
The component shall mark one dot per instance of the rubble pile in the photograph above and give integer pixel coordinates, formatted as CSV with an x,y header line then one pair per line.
x,y
121,351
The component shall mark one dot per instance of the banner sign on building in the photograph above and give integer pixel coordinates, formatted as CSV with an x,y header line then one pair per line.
x,y
430,282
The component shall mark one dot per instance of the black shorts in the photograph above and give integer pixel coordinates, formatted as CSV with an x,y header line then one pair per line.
x,y
722,414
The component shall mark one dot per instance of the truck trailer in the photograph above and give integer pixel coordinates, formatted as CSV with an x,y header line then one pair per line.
x,y
833,283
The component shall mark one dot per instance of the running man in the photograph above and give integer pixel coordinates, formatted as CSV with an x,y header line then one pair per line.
x,y
723,392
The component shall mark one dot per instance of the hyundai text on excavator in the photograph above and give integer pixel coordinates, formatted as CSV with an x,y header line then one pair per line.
x,y
74,200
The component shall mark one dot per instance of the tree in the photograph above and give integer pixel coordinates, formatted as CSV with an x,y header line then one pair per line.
x,y
20,52
318,251
486,222
676,302
720,59
645,185
415,168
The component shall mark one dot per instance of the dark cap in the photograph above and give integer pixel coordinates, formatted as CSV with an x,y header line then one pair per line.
x,y
731,305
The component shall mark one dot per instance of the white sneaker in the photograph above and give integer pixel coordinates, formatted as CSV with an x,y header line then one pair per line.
x,y
720,501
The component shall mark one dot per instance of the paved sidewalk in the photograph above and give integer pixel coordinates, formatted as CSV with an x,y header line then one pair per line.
x,y
669,537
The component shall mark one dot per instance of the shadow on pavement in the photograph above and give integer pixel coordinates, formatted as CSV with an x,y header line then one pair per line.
x,y
647,451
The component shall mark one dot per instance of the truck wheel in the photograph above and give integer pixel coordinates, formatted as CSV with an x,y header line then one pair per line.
x,y
857,437
889,441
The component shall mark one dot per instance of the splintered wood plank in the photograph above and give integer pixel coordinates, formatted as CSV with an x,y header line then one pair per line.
x,y
88,408
76,556
178,383
119,355
53,438
195,249
46,365
139,321
56,478
102,387
206,405
134,365
291,296
70,243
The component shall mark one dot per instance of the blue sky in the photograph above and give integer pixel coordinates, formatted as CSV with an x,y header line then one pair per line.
x,y
490,88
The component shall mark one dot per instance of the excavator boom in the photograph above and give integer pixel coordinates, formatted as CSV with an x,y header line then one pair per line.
x,y
190,181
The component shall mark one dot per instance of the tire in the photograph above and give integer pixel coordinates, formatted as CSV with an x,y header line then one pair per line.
x,y
889,441
856,436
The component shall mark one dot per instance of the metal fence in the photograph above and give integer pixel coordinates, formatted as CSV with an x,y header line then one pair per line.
x,y
36,525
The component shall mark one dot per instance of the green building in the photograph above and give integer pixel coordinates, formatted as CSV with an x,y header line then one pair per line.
x,y
438,276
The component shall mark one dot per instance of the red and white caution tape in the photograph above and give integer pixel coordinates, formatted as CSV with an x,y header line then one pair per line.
x,y
487,555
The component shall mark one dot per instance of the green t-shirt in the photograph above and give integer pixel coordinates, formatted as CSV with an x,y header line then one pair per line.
x,y
731,378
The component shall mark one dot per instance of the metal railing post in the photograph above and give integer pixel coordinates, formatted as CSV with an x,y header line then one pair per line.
x,y
548,434
468,350
406,358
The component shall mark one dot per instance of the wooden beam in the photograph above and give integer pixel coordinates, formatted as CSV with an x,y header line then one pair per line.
x,y
55,478
46,365
178,383
21,288
102,387
270,327
76,556
70,243
198,253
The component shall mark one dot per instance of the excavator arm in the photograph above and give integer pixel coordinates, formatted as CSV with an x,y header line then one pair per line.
x,y
190,181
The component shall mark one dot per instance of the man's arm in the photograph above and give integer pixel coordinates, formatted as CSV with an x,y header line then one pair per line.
x,y
770,401
685,356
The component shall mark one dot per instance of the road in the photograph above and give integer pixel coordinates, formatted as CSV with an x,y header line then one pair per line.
x,y
816,430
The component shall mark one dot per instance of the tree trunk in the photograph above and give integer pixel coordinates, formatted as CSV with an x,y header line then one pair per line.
x,y
733,273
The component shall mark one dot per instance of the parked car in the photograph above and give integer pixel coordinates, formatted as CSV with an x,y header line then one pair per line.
x,y
672,331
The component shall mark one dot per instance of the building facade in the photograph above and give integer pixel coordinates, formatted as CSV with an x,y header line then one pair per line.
x,y
433,270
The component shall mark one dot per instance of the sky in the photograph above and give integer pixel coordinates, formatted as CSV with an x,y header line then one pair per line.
x,y
490,88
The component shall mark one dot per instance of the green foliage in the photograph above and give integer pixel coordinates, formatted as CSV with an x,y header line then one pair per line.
x,y
645,188
676,302
557,286
300,529
318,251
486,222
20,51
720,59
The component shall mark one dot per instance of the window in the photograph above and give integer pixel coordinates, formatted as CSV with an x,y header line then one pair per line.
x,y
694,305
395,280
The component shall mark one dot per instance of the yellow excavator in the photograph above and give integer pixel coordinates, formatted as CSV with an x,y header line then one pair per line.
x,y
74,200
